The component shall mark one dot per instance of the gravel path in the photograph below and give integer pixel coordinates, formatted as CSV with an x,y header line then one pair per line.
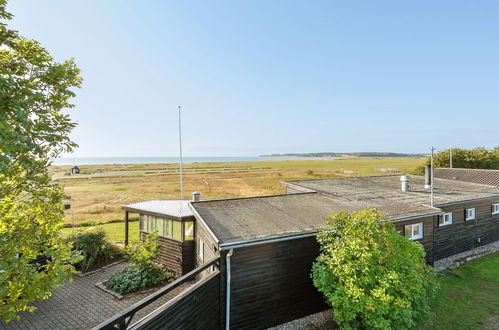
x,y
313,321
464,257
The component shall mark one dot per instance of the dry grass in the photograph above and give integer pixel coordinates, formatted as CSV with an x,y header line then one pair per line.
x,y
99,199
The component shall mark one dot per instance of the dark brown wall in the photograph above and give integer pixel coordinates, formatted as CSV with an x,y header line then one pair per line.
x,y
210,246
198,308
427,240
271,284
175,255
463,235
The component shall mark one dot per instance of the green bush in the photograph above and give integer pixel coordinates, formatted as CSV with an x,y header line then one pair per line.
x,y
134,278
464,158
373,277
95,248
143,272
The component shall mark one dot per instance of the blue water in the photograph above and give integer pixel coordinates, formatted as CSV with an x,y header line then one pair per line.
x,y
158,160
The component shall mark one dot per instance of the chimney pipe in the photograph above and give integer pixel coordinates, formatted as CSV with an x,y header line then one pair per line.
x,y
427,176
405,182
196,196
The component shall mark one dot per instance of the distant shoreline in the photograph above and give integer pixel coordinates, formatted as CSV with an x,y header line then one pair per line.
x,y
346,154
65,161
72,161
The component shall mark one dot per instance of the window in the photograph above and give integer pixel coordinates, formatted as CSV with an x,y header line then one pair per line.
x,y
469,214
445,219
142,221
495,208
151,223
414,231
201,251
177,230
189,231
167,227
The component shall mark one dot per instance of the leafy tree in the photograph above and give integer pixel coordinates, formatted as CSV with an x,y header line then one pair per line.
x,y
372,276
481,158
34,92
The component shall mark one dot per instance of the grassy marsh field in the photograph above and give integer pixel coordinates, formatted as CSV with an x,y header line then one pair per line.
x,y
99,191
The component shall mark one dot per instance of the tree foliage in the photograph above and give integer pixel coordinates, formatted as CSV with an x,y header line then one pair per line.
x,y
34,92
465,158
372,276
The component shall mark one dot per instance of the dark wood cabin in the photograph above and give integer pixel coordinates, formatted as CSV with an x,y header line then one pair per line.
x,y
174,223
266,245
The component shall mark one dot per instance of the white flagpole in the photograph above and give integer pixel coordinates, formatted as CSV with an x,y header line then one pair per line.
x,y
181,160
432,179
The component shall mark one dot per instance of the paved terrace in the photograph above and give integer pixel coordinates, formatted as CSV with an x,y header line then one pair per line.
x,y
81,305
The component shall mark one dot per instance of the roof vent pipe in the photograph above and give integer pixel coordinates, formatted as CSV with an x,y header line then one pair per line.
x,y
427,176
405,182
196,196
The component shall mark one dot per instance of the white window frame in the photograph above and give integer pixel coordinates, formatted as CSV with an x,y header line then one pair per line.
x,y
495,208
201,251
446,222
469,214
411,234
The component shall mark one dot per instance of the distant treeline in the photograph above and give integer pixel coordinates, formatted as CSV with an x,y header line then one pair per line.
x,y
351,154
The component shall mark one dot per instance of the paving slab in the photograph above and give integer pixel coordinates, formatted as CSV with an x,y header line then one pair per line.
x,y
81,305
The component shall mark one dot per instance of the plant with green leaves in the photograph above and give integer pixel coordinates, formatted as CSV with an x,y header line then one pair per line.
x,y
95,248
34,92
142,253
480,158
373,277
143,272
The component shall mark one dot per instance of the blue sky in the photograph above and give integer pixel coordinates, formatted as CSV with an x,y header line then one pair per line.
x,y
258,77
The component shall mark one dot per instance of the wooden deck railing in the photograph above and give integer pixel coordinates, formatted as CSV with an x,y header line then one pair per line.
x,y
122,321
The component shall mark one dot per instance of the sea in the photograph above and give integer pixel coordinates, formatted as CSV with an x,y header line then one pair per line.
x,y
161,160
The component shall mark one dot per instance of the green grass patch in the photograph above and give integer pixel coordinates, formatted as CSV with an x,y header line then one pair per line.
x,y
114,231
469,295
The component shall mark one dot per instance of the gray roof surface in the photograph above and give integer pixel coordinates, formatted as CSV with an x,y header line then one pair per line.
x,y
478,176
176,208
256,217
379,191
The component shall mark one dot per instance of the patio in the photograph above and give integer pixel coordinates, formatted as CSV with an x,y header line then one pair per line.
x,y
81,305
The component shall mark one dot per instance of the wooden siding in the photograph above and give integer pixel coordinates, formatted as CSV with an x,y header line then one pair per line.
x,y
211,251
195,308
271,284
427,240
463,235
175,255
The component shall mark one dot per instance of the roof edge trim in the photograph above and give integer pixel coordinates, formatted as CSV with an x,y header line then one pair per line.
x,y
269,239
200,219
468,200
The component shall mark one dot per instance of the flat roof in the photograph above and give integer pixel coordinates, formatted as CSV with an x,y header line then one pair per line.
x,y
380,191
478,176
259,217
167,207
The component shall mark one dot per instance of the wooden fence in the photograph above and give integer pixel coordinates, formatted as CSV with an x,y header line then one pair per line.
x,y
196,308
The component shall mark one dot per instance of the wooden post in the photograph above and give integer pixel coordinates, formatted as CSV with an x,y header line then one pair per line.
x,y
126,228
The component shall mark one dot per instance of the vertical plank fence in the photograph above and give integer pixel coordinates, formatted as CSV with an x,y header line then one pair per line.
x,y
123,320
196,308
